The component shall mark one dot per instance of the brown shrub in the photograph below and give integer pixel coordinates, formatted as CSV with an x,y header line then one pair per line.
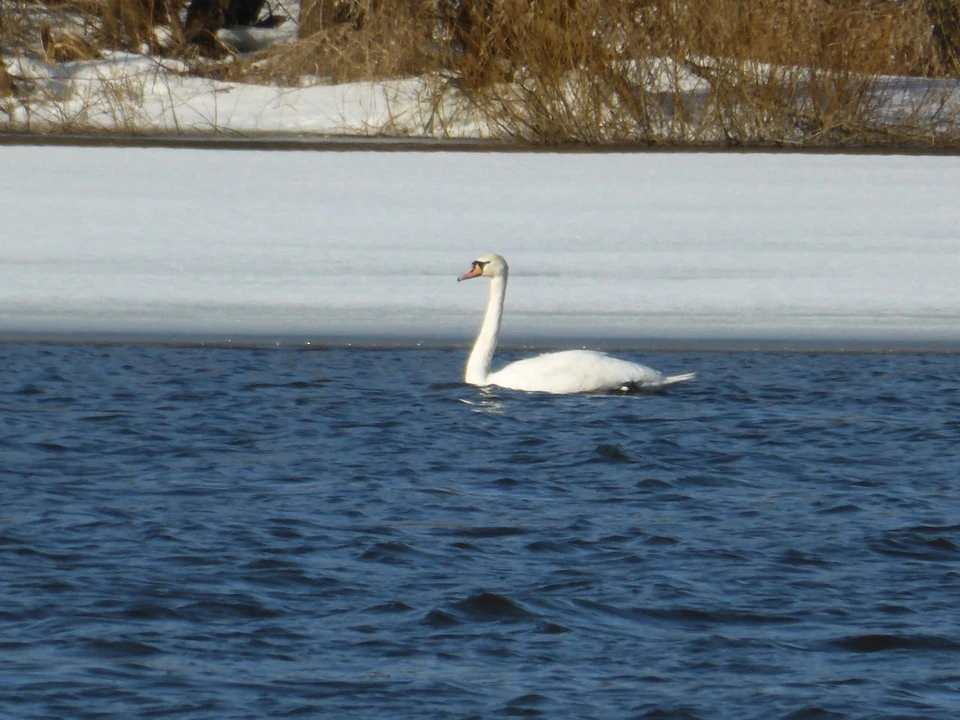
x,y
131,24
773,71
349,40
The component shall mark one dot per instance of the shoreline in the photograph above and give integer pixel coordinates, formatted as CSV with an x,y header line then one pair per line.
x,y
352,143
382,342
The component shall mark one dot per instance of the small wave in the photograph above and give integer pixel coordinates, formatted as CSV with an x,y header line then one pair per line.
x,y
121,648
653,484
551,546
841,509
661,713
881,642
440,619
796,557
52,447
102,417
528,705
723,617
448,386
687,615
210,610
391,607
388,552
492,531
150,611
292,385
491,607
814,713
923,542
552,628
611,454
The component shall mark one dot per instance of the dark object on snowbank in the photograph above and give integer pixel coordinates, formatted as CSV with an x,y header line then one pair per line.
x,y
251,39
207,18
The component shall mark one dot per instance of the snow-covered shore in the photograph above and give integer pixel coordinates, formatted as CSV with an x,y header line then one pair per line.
x,y
125,93
625,248
148,95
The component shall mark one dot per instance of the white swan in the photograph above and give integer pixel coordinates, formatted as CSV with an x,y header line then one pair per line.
x,y
564,372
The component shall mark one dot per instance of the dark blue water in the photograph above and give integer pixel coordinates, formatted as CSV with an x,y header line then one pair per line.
x,y
266,533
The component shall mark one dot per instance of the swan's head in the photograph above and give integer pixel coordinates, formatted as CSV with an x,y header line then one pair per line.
x,y
490,266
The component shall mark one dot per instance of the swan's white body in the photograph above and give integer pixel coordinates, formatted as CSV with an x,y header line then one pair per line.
x,y
570,371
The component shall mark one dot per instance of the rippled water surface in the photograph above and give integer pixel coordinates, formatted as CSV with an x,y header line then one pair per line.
x,y
264,533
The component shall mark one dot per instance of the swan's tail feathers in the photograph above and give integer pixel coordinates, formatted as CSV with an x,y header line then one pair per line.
x,y
674,379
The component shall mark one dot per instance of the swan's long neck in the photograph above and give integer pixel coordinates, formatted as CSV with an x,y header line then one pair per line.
x,y
481,357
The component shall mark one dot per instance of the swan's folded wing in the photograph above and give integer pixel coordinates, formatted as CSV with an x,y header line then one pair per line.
x,y
574,371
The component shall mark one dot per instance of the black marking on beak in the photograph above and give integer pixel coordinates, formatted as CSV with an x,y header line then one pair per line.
x,y
476,270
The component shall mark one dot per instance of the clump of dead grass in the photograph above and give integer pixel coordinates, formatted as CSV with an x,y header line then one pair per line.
x,y
80,95
348,40
132,24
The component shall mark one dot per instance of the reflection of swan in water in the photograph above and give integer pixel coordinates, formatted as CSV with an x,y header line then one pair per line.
x,y
562,372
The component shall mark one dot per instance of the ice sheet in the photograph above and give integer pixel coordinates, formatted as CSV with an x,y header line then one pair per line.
x,y
627,248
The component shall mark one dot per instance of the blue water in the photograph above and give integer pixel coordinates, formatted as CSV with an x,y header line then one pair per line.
x,y
267,533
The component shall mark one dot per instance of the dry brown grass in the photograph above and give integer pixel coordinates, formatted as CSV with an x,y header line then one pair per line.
x,y
732,72
100,25
55,32
341,41
867,36
131,24
821,59
799,72
6,85
61,47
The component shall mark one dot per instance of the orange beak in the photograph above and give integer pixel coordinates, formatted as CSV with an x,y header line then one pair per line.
x,y
475,271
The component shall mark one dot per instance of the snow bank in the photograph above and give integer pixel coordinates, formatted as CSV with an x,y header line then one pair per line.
x,y
131,93
139,94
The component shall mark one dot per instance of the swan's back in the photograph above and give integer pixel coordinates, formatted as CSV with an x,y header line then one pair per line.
x,y
574,371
